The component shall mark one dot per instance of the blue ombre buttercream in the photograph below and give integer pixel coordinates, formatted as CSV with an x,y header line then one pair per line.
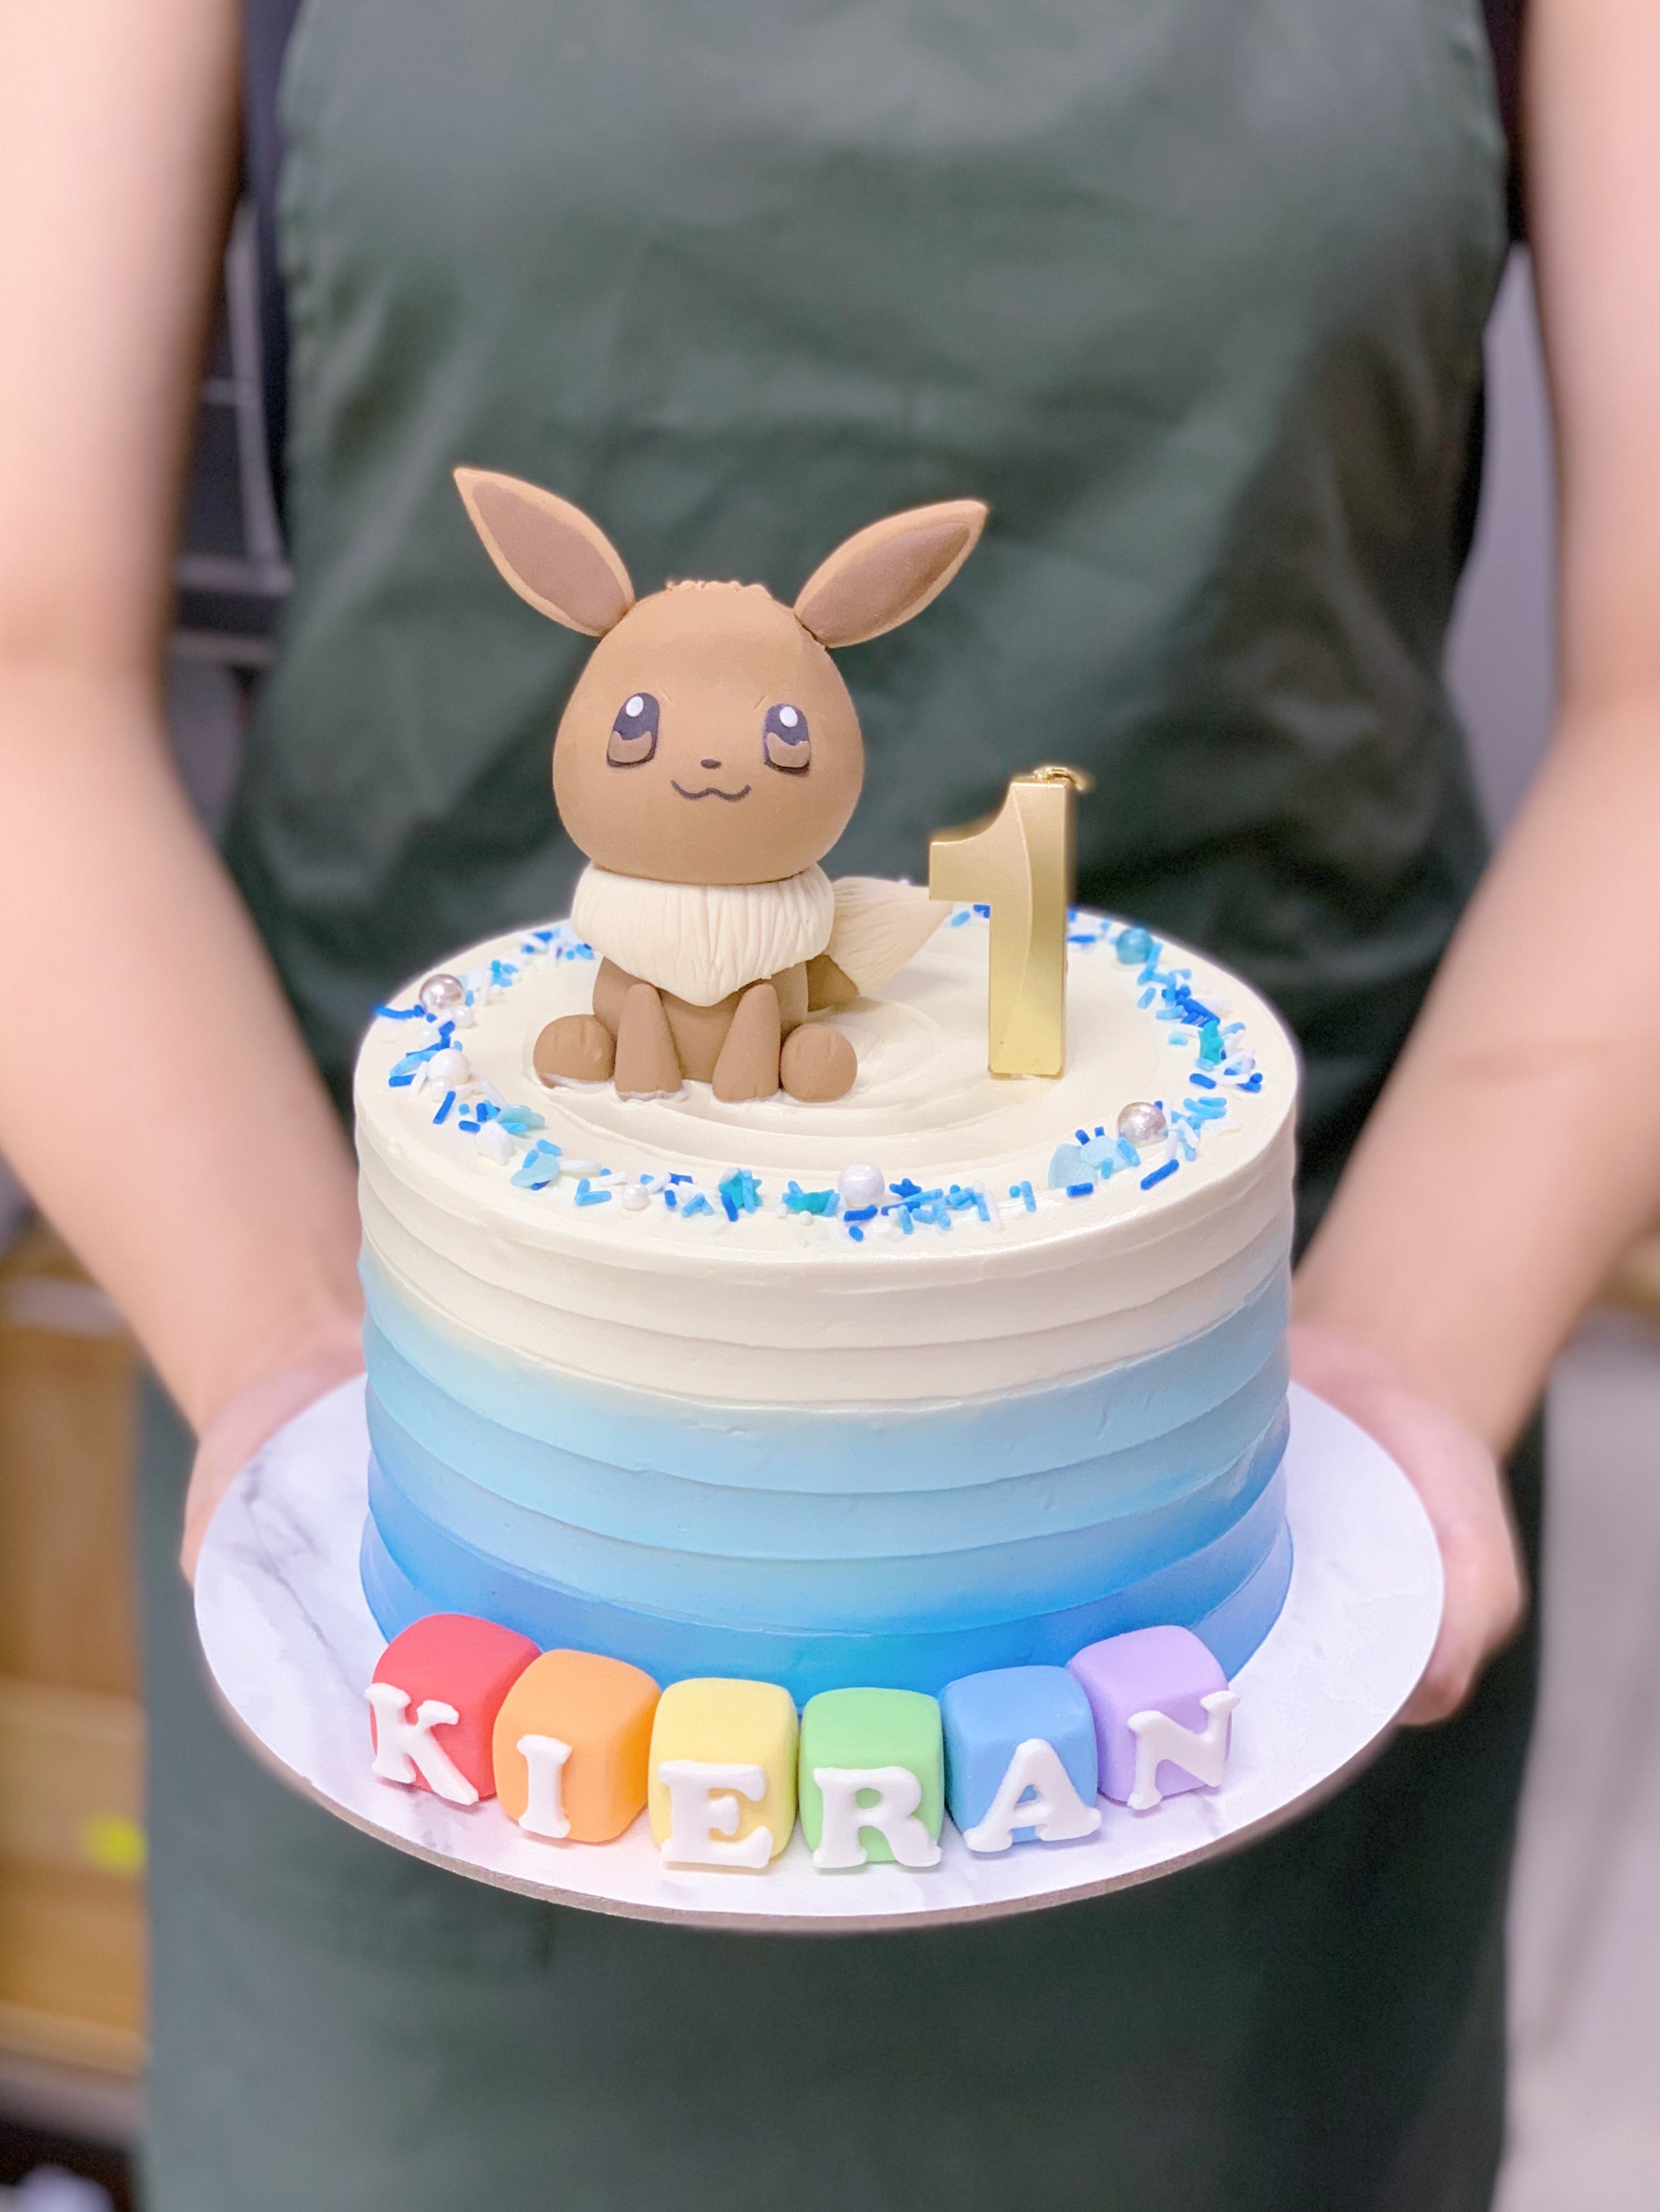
x,y
1230,1596
829,1546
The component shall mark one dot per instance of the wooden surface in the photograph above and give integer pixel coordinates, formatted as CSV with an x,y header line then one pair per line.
x,y
71,1844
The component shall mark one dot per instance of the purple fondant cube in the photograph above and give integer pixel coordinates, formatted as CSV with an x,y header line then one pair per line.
x,y
1165,1670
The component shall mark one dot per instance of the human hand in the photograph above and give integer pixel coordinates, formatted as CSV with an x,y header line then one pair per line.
x,y
1461,1485
256,1412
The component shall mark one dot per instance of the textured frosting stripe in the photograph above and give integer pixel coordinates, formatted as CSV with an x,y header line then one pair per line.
x,y
642,1506
930,1586
439,1383
789,1335
1231,1593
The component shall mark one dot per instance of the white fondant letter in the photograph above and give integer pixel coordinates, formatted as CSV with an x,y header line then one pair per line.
x,y
545,1757
899,1793
703,1808
1157,1737
405,1747
1036,1793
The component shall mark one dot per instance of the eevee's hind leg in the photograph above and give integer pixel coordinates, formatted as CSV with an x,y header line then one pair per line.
x,y
576,1049
819,1064
748,1065
646,1065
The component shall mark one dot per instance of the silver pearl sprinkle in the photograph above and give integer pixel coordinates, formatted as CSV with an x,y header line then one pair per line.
x,y
443,995
1141,1122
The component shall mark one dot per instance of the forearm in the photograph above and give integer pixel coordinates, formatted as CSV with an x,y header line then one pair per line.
x,y
157,1099
1517,1148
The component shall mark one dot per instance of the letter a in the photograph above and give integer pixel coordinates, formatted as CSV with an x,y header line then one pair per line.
x,y
1036,1792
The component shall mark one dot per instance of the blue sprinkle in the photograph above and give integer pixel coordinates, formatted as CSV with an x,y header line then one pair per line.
x,y
1067,1167
695,1204
982,1208
728,1207
984,912
520,1121
586,1197
410,1063
963,915
1080,1189
1203,1081
402,1013
449,1101
1234,1029
797,1200
399,1082
680,1178
1023,1192
1125,1155
538,1167
669,1198
906,1189
859,1213
905,1221
1159,1174
1255,1083
472,1127
857,1235
1082,1135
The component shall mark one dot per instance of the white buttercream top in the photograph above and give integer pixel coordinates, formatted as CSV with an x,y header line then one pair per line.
x,y
1001,1281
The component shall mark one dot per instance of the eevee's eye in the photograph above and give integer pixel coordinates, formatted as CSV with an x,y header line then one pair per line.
x,y
633,734
784,740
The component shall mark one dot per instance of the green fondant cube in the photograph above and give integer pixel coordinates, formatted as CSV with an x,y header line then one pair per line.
x,y
872,1728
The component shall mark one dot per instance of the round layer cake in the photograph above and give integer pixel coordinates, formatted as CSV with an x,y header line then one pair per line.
x,y
944,1376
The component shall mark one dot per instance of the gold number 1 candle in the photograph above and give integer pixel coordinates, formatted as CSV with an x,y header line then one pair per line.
x,y
1020,863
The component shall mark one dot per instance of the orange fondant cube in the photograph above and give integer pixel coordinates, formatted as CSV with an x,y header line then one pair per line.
x,y
585,1775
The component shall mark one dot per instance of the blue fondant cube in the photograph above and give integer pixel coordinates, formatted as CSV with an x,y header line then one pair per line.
x,y
988,1717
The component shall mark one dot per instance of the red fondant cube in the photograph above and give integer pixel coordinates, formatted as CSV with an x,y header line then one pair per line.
x,y
461,1662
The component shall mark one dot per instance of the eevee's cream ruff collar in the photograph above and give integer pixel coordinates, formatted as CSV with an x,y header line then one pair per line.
x,y
703,941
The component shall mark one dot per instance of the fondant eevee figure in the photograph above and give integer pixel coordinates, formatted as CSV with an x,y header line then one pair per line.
x,y
707,758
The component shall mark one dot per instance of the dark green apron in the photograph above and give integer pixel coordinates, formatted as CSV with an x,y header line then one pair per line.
x,y
1193,292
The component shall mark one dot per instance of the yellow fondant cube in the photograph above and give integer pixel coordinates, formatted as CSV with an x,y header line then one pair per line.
x,y
722,1772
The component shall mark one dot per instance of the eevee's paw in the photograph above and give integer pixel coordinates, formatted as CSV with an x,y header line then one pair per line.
x,y
818,1065
748,1065
576,1049
648,1066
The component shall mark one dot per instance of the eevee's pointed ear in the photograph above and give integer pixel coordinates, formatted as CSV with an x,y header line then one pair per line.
x,y
548,550
884,575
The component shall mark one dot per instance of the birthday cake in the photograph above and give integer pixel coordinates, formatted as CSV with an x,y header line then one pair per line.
x,y
797,1400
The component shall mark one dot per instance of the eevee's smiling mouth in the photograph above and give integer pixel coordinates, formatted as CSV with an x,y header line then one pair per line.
x,y
711,790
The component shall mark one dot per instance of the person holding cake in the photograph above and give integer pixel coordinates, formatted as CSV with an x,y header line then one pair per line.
x,y
1194,299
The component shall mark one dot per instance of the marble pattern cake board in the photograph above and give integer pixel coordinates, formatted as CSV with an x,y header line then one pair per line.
x,y
290,1645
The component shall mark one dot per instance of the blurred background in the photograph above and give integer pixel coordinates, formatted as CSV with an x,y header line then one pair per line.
x,y
1585,1932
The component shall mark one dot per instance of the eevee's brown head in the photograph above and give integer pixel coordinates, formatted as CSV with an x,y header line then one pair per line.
x,y
710,740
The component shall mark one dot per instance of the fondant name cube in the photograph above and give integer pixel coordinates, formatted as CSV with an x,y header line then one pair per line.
x,y
722,1779
873,1777
1020,1756
1162,1708
435,1697
571,1744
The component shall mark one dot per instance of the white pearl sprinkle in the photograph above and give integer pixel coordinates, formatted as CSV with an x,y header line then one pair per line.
x,y
448,1068
861,1185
